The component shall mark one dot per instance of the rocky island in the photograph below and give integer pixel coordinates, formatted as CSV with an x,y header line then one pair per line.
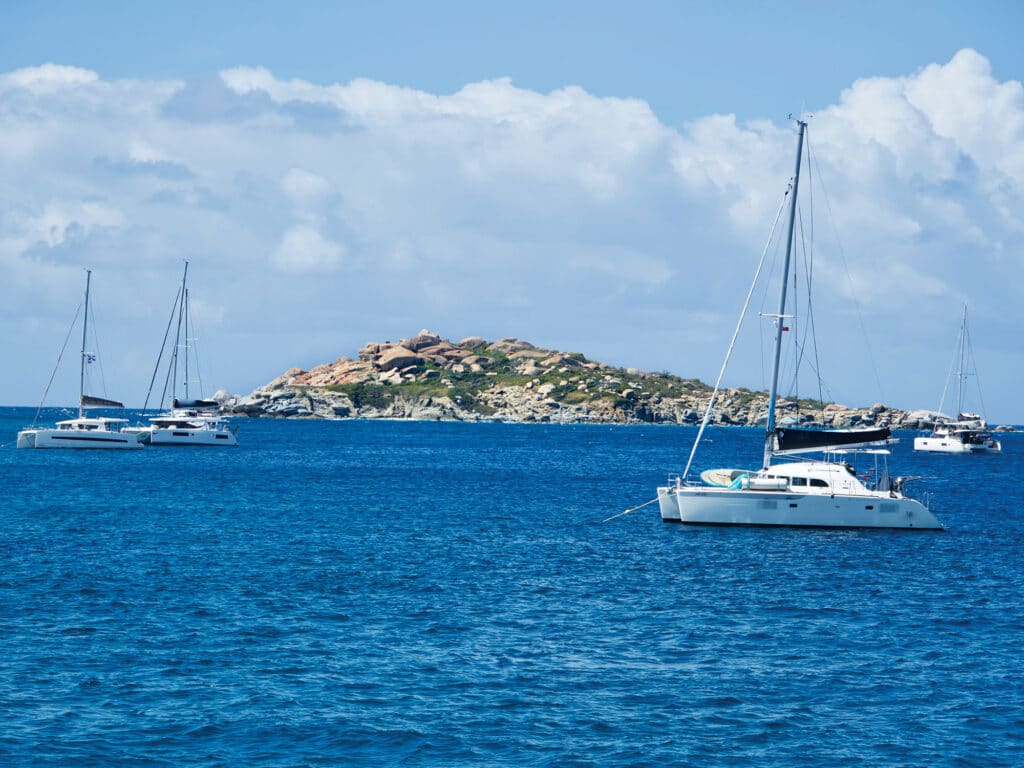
x,y
427,377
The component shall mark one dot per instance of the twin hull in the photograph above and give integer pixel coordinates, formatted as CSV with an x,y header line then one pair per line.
x,y
192,437
724,506
952,445
73,438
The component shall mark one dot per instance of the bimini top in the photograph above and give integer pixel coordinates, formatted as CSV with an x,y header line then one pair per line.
x,y
99,423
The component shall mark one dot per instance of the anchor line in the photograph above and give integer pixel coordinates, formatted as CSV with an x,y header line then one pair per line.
x,y
631,509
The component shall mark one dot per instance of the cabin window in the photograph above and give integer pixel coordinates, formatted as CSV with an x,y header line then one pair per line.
x,y
798,481
816,483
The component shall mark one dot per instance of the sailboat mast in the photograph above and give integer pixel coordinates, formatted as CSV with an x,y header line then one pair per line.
x,y
186,343
177,338
780,318
960,376
85,329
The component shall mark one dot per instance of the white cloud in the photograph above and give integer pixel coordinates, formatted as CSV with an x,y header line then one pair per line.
x,y
305,188
140,151
60,218
984,118
49,78
583,218
303,249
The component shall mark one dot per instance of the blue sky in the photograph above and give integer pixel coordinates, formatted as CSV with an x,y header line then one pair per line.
x,y
591,176
686,59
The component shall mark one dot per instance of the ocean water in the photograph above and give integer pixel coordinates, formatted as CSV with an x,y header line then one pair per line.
x,y
436,594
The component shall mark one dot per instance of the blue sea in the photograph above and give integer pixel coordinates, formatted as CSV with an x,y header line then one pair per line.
x,y
441,594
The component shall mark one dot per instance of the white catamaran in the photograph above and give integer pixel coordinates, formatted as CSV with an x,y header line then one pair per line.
x,y
189,421
82,432
794,493
968,432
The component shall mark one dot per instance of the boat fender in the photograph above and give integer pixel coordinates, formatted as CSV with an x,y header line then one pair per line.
x,y
740,483
767,483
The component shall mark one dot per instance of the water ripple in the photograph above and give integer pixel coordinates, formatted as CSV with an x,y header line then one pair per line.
x,y
441,594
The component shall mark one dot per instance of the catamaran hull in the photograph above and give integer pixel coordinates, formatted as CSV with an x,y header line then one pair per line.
x,y
66,438
668,505
192,437
141,433
947,445
708,506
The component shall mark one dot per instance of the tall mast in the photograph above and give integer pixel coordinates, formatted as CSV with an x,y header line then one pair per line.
x,y
177,338
960,375
85,328
186,343
779,319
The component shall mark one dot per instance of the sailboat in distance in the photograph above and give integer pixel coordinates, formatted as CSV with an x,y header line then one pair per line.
x,y
968,432
82,432
190,421
803,493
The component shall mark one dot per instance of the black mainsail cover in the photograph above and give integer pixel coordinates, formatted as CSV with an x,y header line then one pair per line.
x,y
194,403
805,440
89,401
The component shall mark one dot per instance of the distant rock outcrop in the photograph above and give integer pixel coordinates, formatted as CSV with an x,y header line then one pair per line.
x,y
431,378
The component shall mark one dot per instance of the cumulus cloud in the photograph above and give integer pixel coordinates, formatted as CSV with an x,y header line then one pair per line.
x,y
63,219
304,188
368,209
303,249
963,103
49,77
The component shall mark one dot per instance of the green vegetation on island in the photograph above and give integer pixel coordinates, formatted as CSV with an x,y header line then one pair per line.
x,y
430,378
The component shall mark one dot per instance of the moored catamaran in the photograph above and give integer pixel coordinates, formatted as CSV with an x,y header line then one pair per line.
x,y
189,421
83,431
806,493
968,432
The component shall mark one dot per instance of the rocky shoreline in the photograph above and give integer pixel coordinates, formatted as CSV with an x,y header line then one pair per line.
x,y
429,378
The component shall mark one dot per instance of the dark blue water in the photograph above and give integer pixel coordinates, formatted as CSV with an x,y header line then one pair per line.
x,y
384,593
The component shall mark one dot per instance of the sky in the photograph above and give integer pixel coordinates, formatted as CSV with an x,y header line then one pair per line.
x,y
592,177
